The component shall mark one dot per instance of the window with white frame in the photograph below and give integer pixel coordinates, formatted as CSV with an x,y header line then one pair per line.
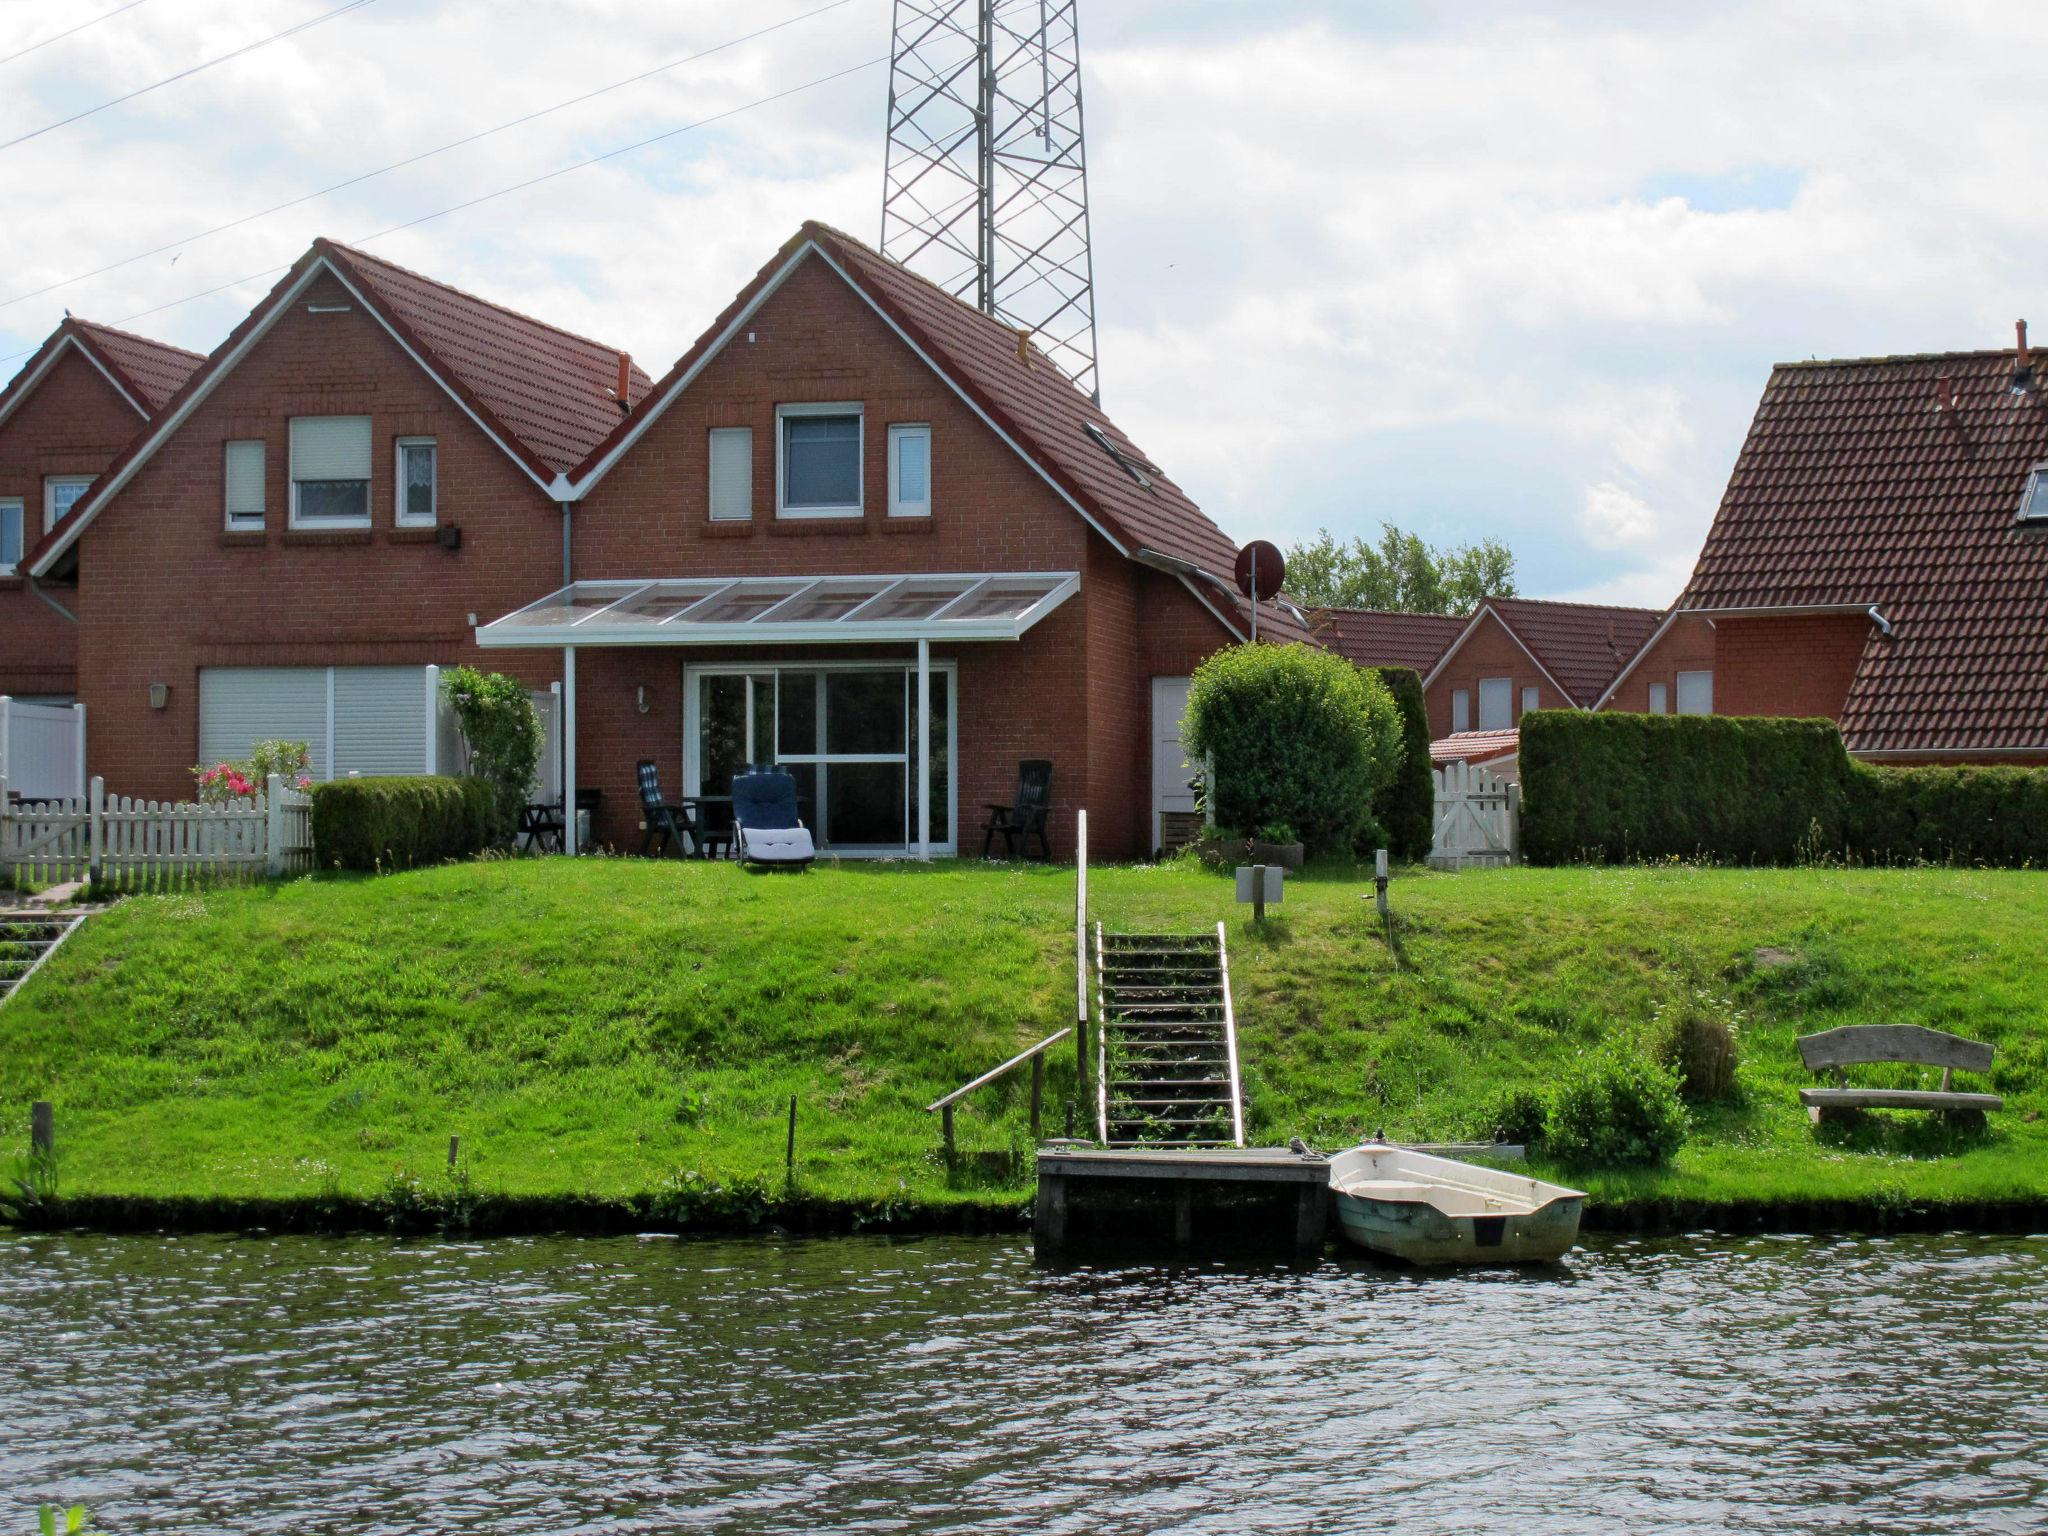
x,y
1532,698
244,475
1496,703
1660,699
60,495
732,474
1695,693
330,466
1461,711
418,494
818,461
11,535
2034,497
910,470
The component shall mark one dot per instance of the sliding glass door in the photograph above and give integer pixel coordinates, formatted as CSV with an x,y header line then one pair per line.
x,y
846,731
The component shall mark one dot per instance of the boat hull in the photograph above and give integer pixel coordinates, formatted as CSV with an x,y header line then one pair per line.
x,y
1420,1234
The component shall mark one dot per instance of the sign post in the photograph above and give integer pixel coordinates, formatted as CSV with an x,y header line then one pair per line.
x,y
1260,884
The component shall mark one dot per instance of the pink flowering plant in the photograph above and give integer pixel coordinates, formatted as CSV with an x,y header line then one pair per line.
x,y
226,782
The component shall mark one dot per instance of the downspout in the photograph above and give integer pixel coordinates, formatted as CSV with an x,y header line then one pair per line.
x,y
36,588
568,522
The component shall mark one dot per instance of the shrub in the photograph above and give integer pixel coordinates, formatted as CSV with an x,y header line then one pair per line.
x,y
1695,1038
1949,815
1406,805
1516,1115
1292,735
503,733
401,822
1620,1110
244,780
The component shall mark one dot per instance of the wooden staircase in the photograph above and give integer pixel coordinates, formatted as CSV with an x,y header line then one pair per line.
x,y
1166,1041
27,939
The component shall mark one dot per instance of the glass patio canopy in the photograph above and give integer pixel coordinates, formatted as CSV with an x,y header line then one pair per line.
x,y
786,610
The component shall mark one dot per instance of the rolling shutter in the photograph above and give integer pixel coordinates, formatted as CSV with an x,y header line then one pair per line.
x,y
330,447
240,706
380,720
245,480
732,472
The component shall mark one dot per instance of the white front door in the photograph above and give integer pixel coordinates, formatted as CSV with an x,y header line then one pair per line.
x,y
1171,770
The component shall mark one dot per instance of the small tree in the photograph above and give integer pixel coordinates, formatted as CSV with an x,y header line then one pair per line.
x,y
1294,736
502,731
1406,807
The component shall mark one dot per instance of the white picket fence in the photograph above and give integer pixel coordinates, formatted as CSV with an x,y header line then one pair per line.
x,y
42,748
1478,819
118,841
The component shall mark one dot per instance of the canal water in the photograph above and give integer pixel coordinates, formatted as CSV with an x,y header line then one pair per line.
x,y
1707,1384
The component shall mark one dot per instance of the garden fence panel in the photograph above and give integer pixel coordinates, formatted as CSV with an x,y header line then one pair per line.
x,y
1478,819
125,841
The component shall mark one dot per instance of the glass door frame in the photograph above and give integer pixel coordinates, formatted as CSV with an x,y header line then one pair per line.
x,y
944,674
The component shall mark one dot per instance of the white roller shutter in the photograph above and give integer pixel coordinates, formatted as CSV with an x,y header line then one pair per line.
x,y
330,447
732,473
240,706
380,720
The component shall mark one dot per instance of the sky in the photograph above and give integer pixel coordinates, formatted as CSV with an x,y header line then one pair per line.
x,y
1484,270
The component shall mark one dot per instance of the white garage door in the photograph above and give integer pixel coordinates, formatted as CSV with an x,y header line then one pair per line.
x,y
1170,767
379,715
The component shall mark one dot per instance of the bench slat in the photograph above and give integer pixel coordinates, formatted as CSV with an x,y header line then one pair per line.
x,y
1860,1044
1895,1098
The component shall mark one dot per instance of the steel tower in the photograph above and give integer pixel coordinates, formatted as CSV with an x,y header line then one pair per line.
x,y
986,186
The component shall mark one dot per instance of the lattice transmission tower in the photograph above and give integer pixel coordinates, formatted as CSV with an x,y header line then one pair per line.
x,y
986,185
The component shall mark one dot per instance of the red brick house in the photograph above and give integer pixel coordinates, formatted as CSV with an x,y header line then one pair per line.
x,y
1881,557
859,529
75,404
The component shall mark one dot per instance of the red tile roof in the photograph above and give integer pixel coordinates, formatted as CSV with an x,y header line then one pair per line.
x,y
552,391
1376,637
1856,487
148,371
1030,400
1474,746
1581,645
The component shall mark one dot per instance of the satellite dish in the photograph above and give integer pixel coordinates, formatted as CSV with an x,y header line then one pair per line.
x,y
1260,570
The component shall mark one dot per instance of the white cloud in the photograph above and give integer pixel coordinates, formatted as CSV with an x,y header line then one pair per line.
x,y
1613,517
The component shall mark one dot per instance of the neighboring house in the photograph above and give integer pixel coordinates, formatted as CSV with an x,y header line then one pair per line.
x,y
1498,752
853,495
1881,556
1380,637
86,391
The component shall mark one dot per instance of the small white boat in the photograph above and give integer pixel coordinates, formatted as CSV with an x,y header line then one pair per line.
x,y
1435,1210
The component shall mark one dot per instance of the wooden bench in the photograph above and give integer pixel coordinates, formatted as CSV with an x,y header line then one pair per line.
x,y
1861,1044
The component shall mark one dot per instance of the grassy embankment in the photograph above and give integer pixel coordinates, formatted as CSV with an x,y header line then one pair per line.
x,y
622,1037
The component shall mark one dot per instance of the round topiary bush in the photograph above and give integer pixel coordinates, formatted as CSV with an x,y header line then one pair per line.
x,y
1292,736
1620,1110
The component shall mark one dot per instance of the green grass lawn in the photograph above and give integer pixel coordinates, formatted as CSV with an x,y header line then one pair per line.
x,y
608,1028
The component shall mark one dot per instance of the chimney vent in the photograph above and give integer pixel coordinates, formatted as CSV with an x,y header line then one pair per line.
x,y
1024,345
625,389
2022,363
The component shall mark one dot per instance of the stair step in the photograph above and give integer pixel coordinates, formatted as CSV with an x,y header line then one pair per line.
x,y
1168,1082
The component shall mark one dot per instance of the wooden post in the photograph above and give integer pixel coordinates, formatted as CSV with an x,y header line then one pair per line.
x,y
1311,1216
1514,823
42,1127
78,715
273,825
1258,893
1049,1213
1070,1119
1379,879
1037,1092
789,1152
454,1151
946,1129
96,827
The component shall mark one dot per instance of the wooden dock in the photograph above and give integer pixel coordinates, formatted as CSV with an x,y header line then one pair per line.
x,y
1181,1200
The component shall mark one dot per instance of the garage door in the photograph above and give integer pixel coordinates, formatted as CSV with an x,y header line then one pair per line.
x,y
378,715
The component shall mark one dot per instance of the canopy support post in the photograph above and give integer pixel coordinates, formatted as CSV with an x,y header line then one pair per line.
x,y
569,837
924,750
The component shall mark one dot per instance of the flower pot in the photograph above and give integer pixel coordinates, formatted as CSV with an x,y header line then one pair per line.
x,y
1287,855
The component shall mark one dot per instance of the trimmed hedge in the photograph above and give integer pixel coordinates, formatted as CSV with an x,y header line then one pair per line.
x,y
1406,806
1614,788
402,821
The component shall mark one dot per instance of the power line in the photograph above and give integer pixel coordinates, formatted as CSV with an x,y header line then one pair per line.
x,y
506,191
58,37
411,160
186,74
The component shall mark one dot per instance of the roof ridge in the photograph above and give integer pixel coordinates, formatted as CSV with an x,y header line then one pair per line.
x,y
355,253
1568,602
1897,357
148,341
1387,613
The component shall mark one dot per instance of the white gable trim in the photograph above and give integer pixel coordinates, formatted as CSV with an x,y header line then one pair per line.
x,y
1466,634
30,384
1229,628
168,426
1642,650
739,321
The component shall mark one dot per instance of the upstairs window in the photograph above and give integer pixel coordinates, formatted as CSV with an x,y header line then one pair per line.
x,y
1532,699
818,467
1660,699
910,471
1461,711
10,535
2034,499
60,495
418,495
245,486
1695,693
330,471
1496,703
732,474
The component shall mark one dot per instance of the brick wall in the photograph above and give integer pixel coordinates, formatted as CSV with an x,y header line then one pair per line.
x,y
164,590
73,424
1490,651
1687,646
1794,666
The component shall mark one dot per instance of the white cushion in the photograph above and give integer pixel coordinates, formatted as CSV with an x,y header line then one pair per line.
x,y
781,845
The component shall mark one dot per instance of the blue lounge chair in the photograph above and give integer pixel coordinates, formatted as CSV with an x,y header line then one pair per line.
x,y
765,821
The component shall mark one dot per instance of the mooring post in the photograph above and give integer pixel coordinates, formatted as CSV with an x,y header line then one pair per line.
x,y
1037,1092
454,1151
946,1129
789,1152
42,1126
1049,1211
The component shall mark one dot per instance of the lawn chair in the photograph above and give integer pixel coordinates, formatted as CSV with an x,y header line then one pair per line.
x,y
766,823
1019,822
666,824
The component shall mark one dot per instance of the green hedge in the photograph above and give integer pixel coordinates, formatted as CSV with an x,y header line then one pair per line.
x,y
1613,788
1406,805
401,821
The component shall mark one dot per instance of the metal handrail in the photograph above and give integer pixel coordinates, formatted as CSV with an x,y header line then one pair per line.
x,y
1230,1040
1034,1055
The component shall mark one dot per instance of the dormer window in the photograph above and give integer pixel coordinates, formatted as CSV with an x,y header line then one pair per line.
x,y
2034,499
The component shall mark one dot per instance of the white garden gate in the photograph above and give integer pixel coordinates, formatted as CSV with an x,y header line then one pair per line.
x,y
1478,819
42,749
